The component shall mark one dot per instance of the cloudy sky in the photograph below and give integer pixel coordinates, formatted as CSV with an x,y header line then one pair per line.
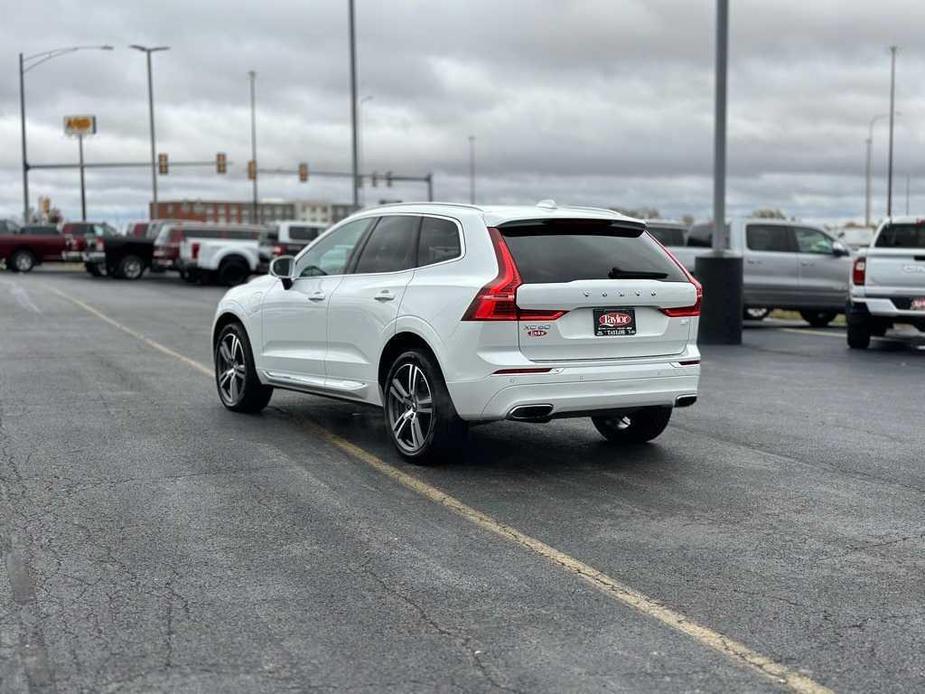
x,y
602,102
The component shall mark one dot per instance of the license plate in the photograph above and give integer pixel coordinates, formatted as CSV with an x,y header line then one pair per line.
x,y
612,322
918,304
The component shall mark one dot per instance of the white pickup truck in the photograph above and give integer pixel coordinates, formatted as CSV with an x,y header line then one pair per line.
x,y
888,282
226,253
787,265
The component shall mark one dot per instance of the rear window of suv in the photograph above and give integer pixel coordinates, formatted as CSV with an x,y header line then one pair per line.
x,y
555,251
902,236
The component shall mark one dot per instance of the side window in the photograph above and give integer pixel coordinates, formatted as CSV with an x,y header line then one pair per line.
x,y
300,233
812,241
330,255
391,245
439,241
768,237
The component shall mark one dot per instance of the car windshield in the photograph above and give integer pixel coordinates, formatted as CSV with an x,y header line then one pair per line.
x,y
902,236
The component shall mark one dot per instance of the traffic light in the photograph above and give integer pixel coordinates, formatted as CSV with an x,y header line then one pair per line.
x,y
252,170
303,172
221,163
162,164
388,178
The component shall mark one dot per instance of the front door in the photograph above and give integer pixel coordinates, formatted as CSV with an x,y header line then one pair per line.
x,y
771,273
823,275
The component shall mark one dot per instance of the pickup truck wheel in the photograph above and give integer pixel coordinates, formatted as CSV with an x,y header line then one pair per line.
x,y
639,426
818,319
420,418
755,313
858,334
130,268
22,261
239,388
93,269
232,273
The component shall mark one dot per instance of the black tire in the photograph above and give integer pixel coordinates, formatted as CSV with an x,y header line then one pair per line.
x,y
93,269
639,426
131,267
858,334
246,393
818,319
22,261
441,433
755,313
189,276
233,272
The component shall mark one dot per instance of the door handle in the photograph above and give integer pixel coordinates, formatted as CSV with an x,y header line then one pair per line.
x,y
384,295
753,262
316,296
807,263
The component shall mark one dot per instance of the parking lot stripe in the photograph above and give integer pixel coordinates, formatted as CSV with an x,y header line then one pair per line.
x,y
800,331
614,589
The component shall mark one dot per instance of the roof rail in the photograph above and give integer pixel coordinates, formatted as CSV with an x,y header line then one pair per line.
x,y
449,204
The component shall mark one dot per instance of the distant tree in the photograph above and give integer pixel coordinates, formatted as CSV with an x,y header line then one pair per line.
x,y
768,213
688,219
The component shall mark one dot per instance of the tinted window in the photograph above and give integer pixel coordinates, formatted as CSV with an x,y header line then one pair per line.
x,y
768,237
670,236
40,229
567,250
202,233
439,241
812,241
242,234
329,256
902,236
303,233
391,246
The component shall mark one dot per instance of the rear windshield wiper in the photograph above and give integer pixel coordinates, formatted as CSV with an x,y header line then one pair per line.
x,y
618,274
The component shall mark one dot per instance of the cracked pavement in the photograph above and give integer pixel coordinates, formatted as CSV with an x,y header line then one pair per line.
x,y
152,541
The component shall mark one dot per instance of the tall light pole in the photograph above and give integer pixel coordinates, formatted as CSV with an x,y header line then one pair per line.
x,y
472,169
253,79
148,51
362,138
353,105
908,179
867,174
889,177
27,63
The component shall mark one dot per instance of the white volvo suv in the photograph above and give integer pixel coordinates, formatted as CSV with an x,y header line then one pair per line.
x,y
446,315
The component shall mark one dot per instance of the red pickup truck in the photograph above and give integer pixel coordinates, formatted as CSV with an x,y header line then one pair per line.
x,y
22,251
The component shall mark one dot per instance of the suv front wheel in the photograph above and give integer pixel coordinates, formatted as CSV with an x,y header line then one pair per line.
x,y
419,414
239,388
638,426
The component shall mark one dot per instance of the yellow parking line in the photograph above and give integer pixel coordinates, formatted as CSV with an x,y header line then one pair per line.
x,y
736,651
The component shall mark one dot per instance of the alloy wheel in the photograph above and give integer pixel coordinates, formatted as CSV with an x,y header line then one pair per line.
x,y
23,262
132,269
232,369
410,408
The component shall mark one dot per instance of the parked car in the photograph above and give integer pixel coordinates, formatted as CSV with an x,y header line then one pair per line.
x,y
286,238
77,234
121,257
446,315
787,265
21,251
888,282
668,233
202,251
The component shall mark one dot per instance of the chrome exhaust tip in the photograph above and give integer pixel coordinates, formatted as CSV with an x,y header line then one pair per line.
x,y
685,400
530,413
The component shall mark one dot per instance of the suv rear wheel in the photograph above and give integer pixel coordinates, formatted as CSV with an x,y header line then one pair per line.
x,y
239,389
638,426
419,414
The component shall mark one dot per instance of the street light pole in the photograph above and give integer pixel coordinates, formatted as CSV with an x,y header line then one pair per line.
x,y
353,106
27,63
907,193
472,169
148,52
361,149
83,187
253,79
889,180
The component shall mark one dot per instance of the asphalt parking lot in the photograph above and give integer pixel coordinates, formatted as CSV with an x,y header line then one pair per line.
x,y
152,540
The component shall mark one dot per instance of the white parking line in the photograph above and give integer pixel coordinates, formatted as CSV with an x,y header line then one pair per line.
x,y
611,587
801,331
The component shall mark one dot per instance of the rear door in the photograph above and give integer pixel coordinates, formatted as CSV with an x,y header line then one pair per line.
x,y
365,305
823,275
613,282
771,273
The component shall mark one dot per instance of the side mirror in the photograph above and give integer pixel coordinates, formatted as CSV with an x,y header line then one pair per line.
x,y
282,267
839,249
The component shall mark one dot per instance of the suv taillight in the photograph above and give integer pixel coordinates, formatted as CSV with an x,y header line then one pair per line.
x,y
683,311
497,300
859,271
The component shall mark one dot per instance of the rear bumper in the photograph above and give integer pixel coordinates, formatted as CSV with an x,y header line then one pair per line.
x,y
95,258
71,256
886,307
576,389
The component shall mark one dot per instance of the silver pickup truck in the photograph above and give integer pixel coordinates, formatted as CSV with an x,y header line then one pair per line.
x,y
888,282
787,265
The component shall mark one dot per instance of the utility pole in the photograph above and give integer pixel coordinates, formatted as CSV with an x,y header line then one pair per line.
x,y
353,106
907,193
889,179
253,79
148,51
472,169
720,272
83,188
